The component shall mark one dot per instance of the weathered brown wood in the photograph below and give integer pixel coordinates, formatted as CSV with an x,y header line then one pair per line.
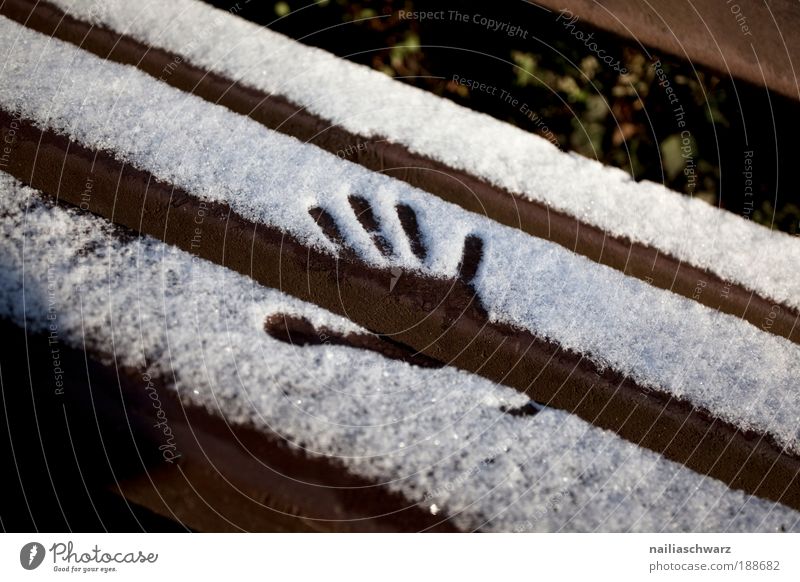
x,y
752,40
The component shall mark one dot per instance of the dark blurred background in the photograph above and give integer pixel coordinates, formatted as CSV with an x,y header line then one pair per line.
x,y
577,101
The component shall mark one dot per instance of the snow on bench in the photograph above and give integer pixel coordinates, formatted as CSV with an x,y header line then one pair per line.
x,y
736,371
371,104
438,436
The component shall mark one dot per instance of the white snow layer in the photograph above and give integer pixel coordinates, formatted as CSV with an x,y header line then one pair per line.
x,y
373,105
738,372
436,436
